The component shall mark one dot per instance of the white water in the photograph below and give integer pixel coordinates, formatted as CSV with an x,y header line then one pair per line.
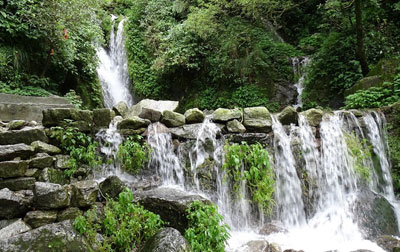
x,y
113,69
300,72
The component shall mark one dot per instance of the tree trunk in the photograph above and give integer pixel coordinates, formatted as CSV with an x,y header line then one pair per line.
x,y
362,58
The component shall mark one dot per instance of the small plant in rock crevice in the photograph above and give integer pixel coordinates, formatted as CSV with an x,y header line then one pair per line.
x,y
133,154
361,152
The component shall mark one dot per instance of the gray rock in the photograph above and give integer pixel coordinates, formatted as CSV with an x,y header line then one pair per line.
x,y
9,152
11,169
235,126
111,186
51,196
54,237
46,148
159,106
224,115
254,246
251,138
288,116
84,193
131,132
271,228
194,115
16,184
26,136
41,160
150,114
82,119
15,228
121,109
172,119
5,223
313,116
16,124
52,175
37,219
170,204
257,119
273,247
68,214
34,173
389,243
12,204
167,240
61,162
189,131
102,117
133,123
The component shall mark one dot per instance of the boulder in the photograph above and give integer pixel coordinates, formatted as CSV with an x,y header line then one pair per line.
x,y
167,240
9,152
16,124
41,160
82,119
102,117
26,136
84,193
313,116
68,214
51,196
172,119
121,109
5,223
53,237
14,228
159,106
271,228
16,184
52,175
61,162
37,219
133,123
254,246
251,138
235,126
288,116
190,131
46,148
389,243
194,115
34,173
131,132
150,114
224,115
12,204
257,119
11,169
170,204
111,186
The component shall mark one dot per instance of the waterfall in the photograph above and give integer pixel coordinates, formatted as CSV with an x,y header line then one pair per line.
x,y
300,73
113,69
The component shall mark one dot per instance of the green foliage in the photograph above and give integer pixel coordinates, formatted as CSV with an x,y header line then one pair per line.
x,y
126,225
393,130
133,154
361,152
250,163
74,99
206,232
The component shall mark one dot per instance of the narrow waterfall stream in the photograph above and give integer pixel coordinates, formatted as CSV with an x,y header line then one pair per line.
x,y
300,72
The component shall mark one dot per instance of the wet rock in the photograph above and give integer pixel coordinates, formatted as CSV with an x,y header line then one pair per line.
x,y
257,119
102,117
34,173
68,214
160,106
313,116
82,119
16,124
292,250
250,138
131,132
41,160
194,115
389,243
150,114
235,126
46,148
37,219
143,183
16,184
273,247
189,131
206,176
10,169
84,193
288,116
224,115
158,128
170,204
5,223
52,175
111,186
254,246
61,162
51,196
9,152
26,136
167,240
271,228
12,204
121,109
54,237
14,228
172,119
133,123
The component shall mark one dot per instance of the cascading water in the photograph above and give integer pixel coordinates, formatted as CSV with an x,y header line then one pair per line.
x,y
300,73
113,69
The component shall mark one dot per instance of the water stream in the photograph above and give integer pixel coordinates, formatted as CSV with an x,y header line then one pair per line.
x,y
300,72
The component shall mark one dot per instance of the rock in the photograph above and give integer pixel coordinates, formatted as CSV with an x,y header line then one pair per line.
x,y
84,193
292,250
156,128
82,119
271,228
51,196
15,228
102,117
235,126
133,122
251,138
37,219
34,173
68,214
131,132
52,175
16,124
111,186
288,116
9,152
121,109
16,184
167,240
257,119
172,119
11,169
41,160
254,246
389,243
26,136
61,162
273,247
224,115
170,204
46,148
159,106
313,116
191,131
194,115
12,204
150,114
54,237
5,223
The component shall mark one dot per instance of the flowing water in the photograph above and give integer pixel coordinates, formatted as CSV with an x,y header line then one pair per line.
x,y
300,72
113,69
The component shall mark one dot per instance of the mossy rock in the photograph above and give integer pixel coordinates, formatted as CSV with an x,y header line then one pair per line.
x,y
172,119
225,115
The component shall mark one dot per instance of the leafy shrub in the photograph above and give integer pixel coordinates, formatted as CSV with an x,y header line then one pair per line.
x,y
206,233
74,99
361,152
126,226
133,154
251,163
